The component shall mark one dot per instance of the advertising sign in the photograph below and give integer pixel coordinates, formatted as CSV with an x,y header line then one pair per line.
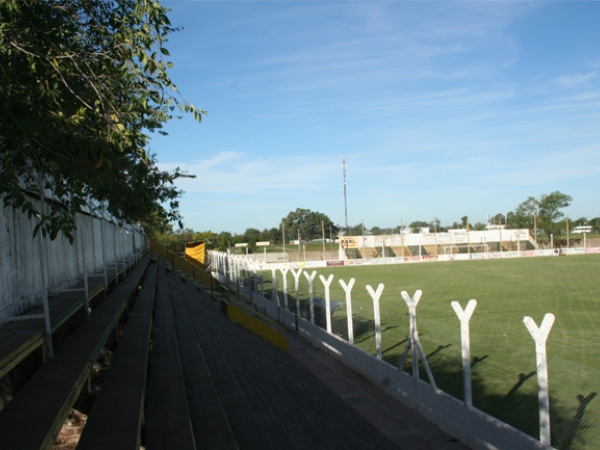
x,y
349,242
335,263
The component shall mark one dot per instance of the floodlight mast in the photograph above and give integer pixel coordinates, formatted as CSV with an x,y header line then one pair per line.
x,y
345,199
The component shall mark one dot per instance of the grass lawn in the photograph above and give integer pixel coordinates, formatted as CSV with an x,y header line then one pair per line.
x,y
502,350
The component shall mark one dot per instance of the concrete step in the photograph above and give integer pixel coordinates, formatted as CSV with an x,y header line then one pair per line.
x,y
271,401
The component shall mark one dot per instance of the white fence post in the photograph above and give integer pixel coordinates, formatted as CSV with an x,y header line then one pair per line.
x,y
375,295
465,317
284,271
274,296
414,343
326,284
43,249
115,254
348,289
103,240
311,298
540,336
296,274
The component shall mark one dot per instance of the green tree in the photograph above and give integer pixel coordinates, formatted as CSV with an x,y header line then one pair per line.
x,y
357,230
542,212
81,85
224,241
376,231
251,236
272,235
464,220
208,237
308,223
417,225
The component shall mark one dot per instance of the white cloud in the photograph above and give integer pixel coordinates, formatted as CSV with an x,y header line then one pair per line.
x,y
243,174
577,79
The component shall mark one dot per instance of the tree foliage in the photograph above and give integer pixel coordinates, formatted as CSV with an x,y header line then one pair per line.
x,y
81,85
545,211
417,225
308,224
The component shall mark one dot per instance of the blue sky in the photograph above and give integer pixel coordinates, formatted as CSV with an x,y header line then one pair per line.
x,y
441,109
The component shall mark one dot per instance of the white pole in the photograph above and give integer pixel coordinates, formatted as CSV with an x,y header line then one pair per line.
x,y
284,272
85,272
103,255
412,313
296,274
311,298
93,242
326,284
348,288
49,350
540,336
465,317
274,296
375,295
115,254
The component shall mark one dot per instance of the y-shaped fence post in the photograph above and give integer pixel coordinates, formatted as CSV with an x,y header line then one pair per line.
x,y
326,284
262,280
274,296
296,274
540,336
348,288
465,317
375,295
311,298
414,340
284,271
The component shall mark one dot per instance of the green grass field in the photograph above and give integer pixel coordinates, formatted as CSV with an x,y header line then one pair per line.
x,y
502,350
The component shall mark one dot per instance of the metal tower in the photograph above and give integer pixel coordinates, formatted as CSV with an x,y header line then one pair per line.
x,y
345,200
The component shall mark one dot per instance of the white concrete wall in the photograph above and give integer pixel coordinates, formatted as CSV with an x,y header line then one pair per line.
x,y
21,282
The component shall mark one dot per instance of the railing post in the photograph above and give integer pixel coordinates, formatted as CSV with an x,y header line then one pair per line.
x,y
102,237
311,298
115,254
284,272
49,350
326,284
375,295
348,288
86,286
465,317
296,274
274,296
540,336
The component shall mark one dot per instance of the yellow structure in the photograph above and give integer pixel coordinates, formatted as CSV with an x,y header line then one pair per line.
x,y
268,333
195,252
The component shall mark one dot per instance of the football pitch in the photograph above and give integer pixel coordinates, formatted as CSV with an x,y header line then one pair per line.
x,y
502,350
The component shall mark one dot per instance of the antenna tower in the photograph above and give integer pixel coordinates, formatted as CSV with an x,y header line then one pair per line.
x,y
345,200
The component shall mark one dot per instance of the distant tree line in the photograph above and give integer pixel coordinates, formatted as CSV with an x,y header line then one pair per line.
x,y
540,215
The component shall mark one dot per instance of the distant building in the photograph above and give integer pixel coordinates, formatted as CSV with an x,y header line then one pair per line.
x,y
582,229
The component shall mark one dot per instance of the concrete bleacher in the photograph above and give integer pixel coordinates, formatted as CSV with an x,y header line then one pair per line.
x,y
368,252
46,399
184,376
119,404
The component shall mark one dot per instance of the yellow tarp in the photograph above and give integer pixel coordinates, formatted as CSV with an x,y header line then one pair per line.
x,y
195,251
